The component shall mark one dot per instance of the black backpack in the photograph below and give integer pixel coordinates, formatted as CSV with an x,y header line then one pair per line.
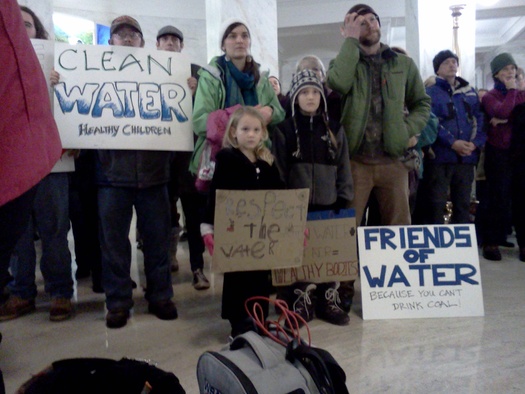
x,y
102,376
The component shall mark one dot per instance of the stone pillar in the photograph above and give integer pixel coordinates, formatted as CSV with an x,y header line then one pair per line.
x,y
429,29
261,17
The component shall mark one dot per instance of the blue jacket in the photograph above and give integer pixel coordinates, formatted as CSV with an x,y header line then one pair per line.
x,y
460,118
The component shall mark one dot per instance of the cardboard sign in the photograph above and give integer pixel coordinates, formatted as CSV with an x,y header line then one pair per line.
x,y
331,251
114,97
259,229
420,271
44,50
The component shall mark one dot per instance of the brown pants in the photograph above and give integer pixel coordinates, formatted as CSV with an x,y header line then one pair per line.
x,y
389,182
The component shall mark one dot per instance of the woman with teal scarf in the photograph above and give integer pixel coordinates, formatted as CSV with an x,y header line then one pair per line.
x,y
231,79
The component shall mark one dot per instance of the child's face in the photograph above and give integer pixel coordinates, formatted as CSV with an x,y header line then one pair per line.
x,y
249,133
309,99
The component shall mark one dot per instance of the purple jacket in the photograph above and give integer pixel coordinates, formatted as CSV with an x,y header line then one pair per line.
x,y
499,103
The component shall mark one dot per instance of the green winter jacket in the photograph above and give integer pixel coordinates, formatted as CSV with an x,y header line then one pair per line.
x,y
402,85
210,97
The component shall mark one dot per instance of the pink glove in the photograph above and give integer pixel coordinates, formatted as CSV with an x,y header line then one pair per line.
x,y
209,242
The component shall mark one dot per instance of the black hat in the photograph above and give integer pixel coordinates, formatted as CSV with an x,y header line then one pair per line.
x,y
363,9
441,57
171,30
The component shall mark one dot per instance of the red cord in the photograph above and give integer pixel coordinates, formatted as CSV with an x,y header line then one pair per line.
x,y
274,329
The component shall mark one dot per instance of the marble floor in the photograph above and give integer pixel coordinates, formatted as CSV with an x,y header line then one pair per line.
x,y
446,355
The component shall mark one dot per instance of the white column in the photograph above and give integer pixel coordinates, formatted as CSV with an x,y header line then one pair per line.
x,y
261,17
429,30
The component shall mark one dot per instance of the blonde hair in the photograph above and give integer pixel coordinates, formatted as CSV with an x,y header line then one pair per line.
x,y
261,151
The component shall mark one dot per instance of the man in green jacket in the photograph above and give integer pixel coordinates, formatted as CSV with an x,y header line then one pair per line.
x,y
385,108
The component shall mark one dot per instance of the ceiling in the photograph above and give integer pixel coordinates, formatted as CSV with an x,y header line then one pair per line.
x,y
307,25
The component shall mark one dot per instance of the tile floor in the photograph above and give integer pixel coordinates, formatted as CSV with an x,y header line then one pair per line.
x,y
447,355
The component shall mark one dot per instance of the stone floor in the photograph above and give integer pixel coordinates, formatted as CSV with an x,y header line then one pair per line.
x,y
445,355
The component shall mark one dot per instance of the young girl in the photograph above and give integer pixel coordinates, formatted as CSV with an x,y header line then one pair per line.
x,y
243,164
312,152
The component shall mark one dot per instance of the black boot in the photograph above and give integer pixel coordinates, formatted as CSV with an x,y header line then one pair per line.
x,y
328,304
298,297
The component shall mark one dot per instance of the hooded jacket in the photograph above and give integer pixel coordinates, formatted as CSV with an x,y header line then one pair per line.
x,y
210,96
328,177
349,74
460,118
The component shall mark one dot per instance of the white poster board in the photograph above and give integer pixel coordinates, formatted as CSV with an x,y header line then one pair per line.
x,y
330,253
259,229
115,97
419,271
45,51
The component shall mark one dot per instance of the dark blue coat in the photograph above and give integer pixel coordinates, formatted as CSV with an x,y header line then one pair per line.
x,y
460,118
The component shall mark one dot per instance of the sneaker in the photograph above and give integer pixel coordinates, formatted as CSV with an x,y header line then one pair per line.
x,y
346,294
61,309
117,318
491,252
298,297
15,307
164,310
328,305
200,282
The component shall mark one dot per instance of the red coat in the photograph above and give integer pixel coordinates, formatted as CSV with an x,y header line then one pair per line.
x,y
29,140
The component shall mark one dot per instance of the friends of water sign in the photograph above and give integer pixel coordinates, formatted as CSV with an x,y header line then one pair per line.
x,y
115,97
330,253
419,271
259,229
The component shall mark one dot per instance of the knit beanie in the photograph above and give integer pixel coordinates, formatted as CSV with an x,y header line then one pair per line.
x,y
501,61
363,9
304,79
441,57
308,79
227,23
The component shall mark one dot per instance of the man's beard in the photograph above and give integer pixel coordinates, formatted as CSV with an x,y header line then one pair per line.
x,y
370,39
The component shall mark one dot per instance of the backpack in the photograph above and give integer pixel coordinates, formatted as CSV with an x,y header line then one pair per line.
x,y
253,364
102,376
215,130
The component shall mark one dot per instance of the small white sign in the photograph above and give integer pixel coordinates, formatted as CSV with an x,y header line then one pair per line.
x,y
114,97
419,271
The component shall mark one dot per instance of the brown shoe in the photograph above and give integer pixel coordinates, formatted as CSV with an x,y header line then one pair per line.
x,y
15,307
61,309
491,252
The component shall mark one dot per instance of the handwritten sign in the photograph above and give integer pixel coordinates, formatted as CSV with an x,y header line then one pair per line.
x,y
44,50
331,251
259,229
123,98
420,271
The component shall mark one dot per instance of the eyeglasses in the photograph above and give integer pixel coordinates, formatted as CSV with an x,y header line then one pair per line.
x,y
371,20
134,35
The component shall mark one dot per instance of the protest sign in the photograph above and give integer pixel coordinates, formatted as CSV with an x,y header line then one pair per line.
x,y
44,50
330,253
113,97
420,271
259,229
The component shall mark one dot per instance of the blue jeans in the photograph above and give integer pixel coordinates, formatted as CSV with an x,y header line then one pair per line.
x,y
50,216
153,222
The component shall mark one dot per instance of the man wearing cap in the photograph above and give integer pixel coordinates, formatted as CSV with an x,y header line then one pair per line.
x,y
498,104
377,84
182,182
127,179
460,137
